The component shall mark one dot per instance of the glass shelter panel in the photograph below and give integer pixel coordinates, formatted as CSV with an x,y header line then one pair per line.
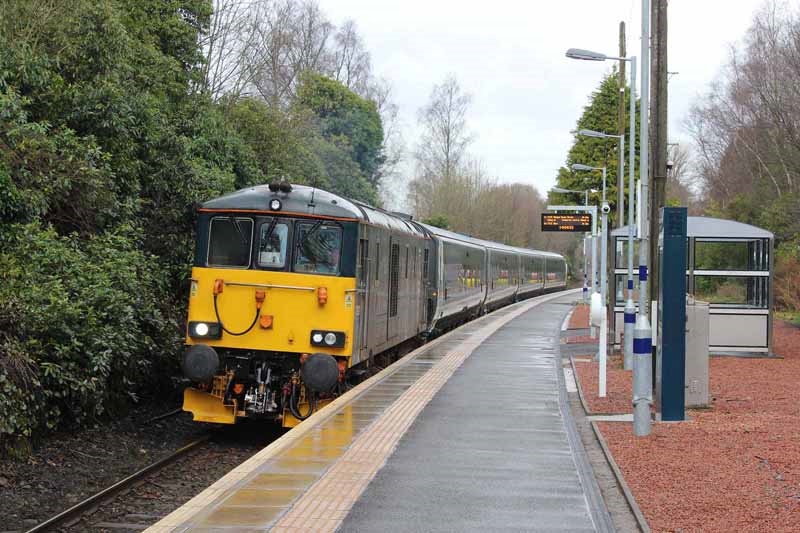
x,y
734,254
734,291
621,253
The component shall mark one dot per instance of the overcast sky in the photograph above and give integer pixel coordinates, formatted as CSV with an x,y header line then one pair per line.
x,y
509,55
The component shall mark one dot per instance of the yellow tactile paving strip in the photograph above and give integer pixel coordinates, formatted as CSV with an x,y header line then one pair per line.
x,y
309,479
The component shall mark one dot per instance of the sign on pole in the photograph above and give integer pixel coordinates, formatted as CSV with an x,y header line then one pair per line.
x,y
579,222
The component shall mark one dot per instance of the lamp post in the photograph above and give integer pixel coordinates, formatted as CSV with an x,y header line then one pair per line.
x,y
585,255
642,349
603,344
630,308
604,210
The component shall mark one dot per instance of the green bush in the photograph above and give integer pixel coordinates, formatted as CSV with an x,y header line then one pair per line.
x,y
80,322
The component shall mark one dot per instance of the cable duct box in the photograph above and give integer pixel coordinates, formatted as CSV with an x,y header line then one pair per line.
x,y
697,320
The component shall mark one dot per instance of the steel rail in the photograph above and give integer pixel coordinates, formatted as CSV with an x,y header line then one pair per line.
x,y
168,414
105,494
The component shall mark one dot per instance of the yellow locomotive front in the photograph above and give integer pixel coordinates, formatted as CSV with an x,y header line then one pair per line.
x,y
271,306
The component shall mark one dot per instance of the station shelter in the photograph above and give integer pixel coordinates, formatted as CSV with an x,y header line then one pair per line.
x,y
730,265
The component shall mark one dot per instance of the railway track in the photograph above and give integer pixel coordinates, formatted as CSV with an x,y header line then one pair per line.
x,y
147,495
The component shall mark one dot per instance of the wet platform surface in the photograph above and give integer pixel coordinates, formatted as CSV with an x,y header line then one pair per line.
x,y
490,451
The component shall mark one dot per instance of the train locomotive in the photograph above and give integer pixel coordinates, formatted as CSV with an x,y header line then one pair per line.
x,y
294,291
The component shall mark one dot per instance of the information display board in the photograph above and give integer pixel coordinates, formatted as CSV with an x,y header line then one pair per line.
x,y
580,222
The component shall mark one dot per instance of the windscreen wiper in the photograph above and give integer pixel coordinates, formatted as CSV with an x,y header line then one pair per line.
x,y
310,232
270,229
239,230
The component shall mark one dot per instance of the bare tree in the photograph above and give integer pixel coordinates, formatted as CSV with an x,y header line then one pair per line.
x,y
445,137
271,57
262,47
747,128
226,48
311,31
442,146
350,63
680,177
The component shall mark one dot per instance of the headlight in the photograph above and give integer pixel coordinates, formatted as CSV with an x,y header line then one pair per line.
x,y
275,204
328,339
205,330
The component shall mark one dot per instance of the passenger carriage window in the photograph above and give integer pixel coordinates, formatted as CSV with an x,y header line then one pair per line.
x,y
229,242
272,245
318,248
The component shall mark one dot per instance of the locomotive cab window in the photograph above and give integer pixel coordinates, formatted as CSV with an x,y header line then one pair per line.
x,y
318,248
273,244
229,242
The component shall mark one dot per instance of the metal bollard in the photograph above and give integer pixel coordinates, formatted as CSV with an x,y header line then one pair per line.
x,y
630,324
642,366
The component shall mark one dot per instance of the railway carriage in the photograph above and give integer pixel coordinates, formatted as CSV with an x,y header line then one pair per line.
x,y
294,289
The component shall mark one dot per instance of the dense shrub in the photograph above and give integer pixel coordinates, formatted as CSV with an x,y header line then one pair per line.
x,y
80,322
787,283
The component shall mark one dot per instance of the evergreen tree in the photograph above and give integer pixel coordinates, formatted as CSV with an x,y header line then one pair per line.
x,y
599,115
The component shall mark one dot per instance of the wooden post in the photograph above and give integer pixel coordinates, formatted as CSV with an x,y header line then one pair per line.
x,y
658,145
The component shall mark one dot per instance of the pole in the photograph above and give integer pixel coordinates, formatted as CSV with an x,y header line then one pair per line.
x,y
610,244
621,128
603,342
595,281
621,204
658,141
642,343
604,244
630,307
585,256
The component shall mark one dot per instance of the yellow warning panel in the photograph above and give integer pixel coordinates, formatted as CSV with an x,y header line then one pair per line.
x,y
208,408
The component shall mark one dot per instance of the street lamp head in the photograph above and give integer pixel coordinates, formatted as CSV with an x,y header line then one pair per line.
x,y
562,190
586,55
593,133
579,166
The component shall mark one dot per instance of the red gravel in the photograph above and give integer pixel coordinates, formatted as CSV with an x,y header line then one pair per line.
x,y
580,317
619,383
734,467
582,339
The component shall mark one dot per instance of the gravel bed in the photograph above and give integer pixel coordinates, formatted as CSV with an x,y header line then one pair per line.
x,y
67,468
582,339
733,467
579,318
619,385
163,491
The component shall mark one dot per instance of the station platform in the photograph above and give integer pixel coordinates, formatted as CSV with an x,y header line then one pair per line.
x,y
471,432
